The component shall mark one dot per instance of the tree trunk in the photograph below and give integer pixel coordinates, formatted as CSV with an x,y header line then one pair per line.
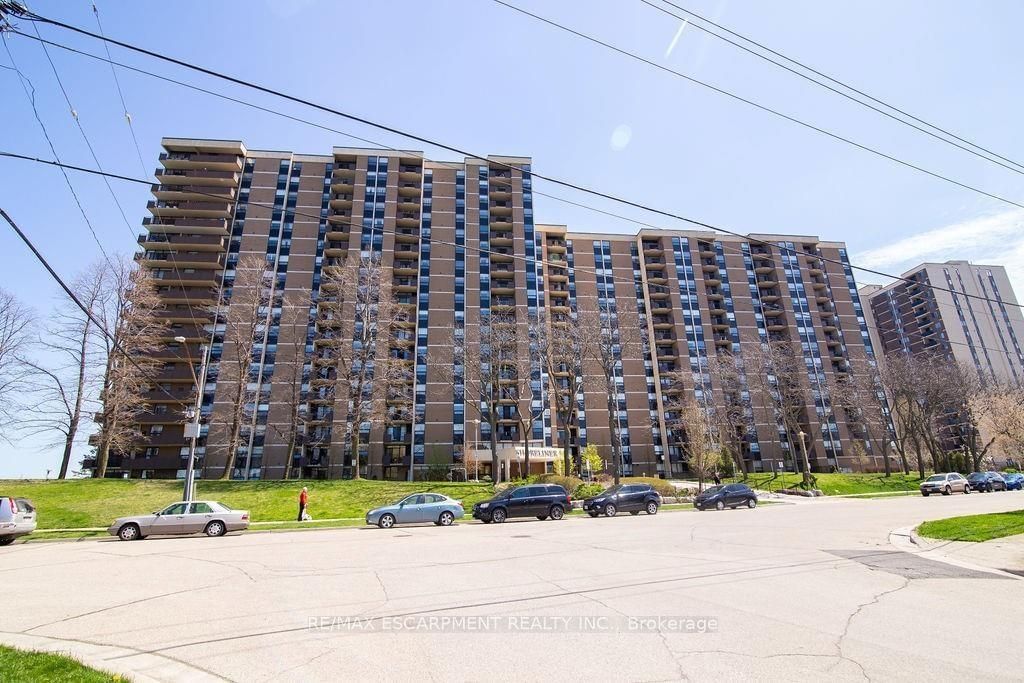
x,y
566,463
355,452
613,433
526,448
102,457
76,414
492,420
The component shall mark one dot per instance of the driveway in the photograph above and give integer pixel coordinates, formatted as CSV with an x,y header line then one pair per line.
x,y
785,591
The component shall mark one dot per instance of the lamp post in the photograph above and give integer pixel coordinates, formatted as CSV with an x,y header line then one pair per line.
x,y
192,428
807,463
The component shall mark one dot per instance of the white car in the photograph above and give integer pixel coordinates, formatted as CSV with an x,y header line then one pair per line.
x,y
17,518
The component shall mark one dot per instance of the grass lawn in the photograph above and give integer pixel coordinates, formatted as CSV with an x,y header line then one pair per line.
x,y
74,504
40,667
975,527
838,484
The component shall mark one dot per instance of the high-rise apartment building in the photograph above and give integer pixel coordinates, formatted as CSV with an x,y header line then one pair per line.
x,y
459,243
965,311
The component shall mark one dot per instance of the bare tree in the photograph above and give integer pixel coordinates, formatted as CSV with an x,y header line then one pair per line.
x,y
488,370
692,424
615,333
59,386
245,312
964,405
291,373
859,394
919,391
733,415
1000,412
783,376
366,320
562,342
15,331
131,334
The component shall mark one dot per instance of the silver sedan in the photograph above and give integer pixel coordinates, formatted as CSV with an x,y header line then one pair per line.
x,y
201,516
419,507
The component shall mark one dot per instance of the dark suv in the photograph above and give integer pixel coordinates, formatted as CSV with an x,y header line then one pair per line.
x,y
729,495
631,498
533,500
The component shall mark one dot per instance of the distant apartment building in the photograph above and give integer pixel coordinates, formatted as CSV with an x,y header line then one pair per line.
x,y
459,241
967,312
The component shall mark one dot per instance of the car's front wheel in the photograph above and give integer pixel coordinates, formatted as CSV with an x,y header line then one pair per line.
x,y
719,505
751,503
967,489
215,528
499,516
652,507
946,491
386,521
924,493
446,518
6,540
592,513
129,532
610,510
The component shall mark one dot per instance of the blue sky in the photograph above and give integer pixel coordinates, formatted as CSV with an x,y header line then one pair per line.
x,y
483,78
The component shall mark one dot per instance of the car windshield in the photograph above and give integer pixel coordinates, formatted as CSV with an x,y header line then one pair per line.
x,y
714,489
613,489
976,475
936,477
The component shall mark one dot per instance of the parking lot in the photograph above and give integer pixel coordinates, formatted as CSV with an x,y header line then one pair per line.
x,y
796,591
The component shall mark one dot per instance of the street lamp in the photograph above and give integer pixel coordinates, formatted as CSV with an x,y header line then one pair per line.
x,y
193,414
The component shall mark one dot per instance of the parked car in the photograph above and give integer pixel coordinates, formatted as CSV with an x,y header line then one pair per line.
x,y
419,507
17,518
1014,481
986,482
726,495
532,500
631,498
945,483
200,516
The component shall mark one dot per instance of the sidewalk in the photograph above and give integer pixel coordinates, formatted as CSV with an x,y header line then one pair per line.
x,y
1003,555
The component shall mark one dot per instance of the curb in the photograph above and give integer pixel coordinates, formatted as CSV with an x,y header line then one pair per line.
x,y
907,540
111,659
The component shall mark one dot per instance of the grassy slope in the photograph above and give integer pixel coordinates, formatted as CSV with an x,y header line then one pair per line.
x,y
975,527
95,503
16,665
840,484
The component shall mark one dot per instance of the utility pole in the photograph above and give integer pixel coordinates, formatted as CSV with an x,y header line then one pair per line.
x,y
192,428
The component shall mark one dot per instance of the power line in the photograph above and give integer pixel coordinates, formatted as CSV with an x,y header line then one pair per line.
x,y
78,302
564,183
849,87
516,257
120,94
78,123
756,105
30,90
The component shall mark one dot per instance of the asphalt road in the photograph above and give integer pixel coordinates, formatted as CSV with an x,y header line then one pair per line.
x,y
786,591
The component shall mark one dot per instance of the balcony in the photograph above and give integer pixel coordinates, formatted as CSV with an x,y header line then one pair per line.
x,y
188,242
405,253
407,236
409,203
163,209
407,219
192,193
205,178
190,161
412,190
343,185
341,201
171,259
501,240
502,255
652,249
767,282
181,226
502,208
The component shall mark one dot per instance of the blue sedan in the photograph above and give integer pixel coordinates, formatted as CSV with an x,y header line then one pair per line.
x,y
1014,482
417,508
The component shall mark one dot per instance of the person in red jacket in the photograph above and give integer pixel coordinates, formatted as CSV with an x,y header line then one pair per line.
x,y
303,500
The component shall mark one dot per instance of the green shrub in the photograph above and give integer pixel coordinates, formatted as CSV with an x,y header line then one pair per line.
x,y
570,484
588,490
662,486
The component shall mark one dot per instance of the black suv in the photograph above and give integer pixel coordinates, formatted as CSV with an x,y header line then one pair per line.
x,y
729,495
533,500
631,498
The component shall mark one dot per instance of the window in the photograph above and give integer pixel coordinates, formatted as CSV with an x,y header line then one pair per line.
x,y
176,509
200,509
523,492
156,430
